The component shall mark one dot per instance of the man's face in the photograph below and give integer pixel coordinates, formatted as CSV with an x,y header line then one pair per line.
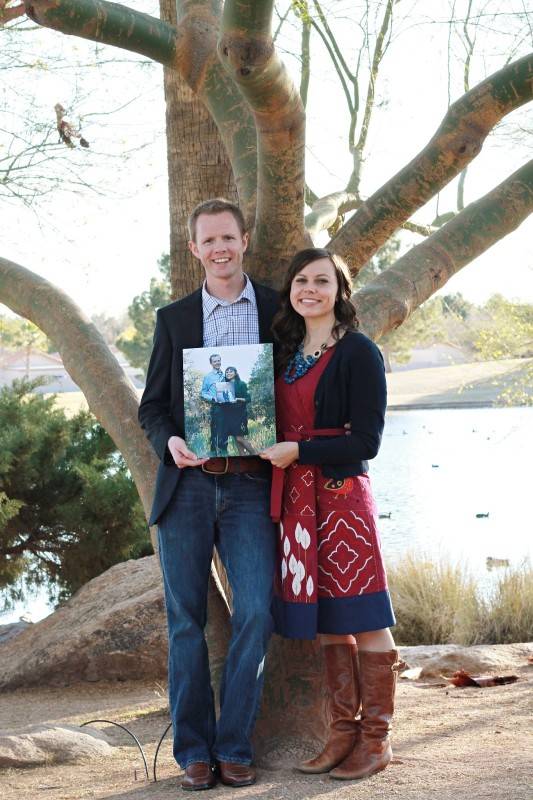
x,y
216,363
219,245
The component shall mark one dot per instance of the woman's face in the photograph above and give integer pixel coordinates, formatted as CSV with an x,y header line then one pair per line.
x,y
230,374
314,290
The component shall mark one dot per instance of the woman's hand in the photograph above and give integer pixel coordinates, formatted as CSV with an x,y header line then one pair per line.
x,y
282,454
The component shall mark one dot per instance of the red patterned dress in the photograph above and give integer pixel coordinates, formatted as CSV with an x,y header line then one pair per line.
x,y
330,576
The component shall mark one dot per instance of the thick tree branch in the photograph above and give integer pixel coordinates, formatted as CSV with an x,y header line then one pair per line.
x,y
457,141
389,299
190,48
197,61
109,23
109,393
247,51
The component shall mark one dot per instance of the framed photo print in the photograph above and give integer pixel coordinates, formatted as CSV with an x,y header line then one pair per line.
x,y
229,399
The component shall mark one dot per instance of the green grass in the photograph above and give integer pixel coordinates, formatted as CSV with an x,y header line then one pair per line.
x,y
438,603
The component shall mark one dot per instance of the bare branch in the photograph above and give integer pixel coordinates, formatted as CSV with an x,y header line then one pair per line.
x,y
422,230
358,149
326,211
457,141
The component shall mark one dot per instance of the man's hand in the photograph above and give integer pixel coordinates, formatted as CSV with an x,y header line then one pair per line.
x,y
282,454
183,457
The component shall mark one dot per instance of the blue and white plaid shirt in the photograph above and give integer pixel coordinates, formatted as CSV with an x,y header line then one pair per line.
x,y
229,323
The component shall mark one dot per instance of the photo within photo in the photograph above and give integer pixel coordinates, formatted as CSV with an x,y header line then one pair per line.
x,y
229,399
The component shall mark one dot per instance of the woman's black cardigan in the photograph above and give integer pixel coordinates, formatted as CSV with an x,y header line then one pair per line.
x,y
351,389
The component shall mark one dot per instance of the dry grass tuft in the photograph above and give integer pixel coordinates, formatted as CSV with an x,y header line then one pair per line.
x,y
438,603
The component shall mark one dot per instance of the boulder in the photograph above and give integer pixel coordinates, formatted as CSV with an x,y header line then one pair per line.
x,y
113,628
445,659
40,744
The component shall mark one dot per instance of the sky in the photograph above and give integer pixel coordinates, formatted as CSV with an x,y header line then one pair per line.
x,y
101,242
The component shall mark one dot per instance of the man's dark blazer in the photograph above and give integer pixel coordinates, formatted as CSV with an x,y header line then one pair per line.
x,y
178,326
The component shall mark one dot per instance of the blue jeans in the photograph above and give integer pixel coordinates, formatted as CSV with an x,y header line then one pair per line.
x,y
231,512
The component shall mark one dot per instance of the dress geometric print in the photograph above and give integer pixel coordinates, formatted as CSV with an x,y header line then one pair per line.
x,y
330,576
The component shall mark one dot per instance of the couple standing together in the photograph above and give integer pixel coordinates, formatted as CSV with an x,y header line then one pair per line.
x,y
227,396
327,578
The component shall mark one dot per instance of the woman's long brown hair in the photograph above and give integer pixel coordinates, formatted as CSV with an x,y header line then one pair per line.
x,y
288,326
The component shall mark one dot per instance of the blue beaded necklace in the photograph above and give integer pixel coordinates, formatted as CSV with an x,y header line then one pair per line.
x,y
300,364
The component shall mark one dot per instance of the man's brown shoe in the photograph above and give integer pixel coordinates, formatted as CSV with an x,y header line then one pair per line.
x,y
198,776
236,774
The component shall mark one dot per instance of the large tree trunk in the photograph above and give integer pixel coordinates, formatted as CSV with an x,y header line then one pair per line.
x,y
198,167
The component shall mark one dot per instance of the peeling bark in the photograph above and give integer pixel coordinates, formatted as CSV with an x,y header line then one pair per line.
x,y
457,141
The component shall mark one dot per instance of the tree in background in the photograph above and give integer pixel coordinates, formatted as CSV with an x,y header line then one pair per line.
x,y
68,507
136,341
260,388
19,334
505,329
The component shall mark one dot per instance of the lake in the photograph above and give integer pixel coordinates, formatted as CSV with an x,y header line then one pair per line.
x,y
436,470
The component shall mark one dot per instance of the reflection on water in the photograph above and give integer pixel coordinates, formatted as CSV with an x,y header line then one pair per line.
x,y
457,483
454,483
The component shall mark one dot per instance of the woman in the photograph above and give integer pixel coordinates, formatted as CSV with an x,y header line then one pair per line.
x,y
234,418
330,400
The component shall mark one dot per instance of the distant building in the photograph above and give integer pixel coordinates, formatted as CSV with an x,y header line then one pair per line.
x,y
34,363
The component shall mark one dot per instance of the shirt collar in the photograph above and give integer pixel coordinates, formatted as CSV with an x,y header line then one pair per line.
x,y
210,303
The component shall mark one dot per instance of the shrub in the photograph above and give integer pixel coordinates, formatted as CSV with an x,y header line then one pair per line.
x,y
438,603
68,505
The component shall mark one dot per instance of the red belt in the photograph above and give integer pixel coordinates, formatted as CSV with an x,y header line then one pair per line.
x,y
278,474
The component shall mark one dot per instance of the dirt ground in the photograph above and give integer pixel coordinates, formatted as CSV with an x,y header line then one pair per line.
x,y
449,743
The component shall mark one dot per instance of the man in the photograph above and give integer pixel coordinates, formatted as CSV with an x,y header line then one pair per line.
x,y
208,392
202,502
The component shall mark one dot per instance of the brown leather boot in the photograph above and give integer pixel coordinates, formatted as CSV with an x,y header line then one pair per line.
x,y
372,753
344,702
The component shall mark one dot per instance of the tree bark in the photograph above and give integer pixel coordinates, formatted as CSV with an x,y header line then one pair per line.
x,y
247,51
198,168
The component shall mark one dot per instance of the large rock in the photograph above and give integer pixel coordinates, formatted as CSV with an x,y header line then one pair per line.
x,y
114,628
445,659
41,744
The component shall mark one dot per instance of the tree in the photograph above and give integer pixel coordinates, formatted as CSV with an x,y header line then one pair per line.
x,y
16,334
236,125
68,508
136,341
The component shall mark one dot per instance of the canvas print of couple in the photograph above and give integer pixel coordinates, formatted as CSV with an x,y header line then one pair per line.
x,y
229,399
